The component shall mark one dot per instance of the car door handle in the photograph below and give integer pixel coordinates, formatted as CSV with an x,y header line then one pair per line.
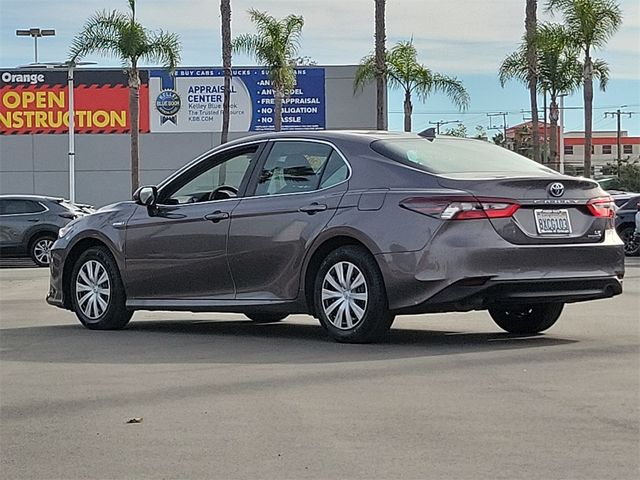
x,y
33,220
313,208
215,217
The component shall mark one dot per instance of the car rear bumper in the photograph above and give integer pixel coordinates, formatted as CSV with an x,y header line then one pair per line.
x,y
464,296
470,268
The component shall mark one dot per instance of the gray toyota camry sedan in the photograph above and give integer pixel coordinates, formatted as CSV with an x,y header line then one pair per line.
x,y
353,228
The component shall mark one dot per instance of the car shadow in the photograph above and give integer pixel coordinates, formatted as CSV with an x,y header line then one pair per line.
x,y
17,262
242,342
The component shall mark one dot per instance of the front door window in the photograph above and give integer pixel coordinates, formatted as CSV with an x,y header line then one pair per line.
x,y
211,180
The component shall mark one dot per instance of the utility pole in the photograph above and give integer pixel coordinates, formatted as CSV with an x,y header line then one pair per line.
x,y
442,122
618,114
504,124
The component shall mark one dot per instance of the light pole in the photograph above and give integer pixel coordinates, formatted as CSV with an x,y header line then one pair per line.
x,y
70,66
36,33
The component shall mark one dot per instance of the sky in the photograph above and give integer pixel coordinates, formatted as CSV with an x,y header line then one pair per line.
x,y
467,39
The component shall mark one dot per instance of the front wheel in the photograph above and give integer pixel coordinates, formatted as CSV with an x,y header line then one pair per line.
x,y
526,318
97,292
350,298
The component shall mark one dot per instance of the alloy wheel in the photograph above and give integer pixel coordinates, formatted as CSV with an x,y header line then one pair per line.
x,y
93,289
344,295
42,251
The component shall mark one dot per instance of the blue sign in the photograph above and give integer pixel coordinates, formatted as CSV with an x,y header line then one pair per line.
x,y
191,99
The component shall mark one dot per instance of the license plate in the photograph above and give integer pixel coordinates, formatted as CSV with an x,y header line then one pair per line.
x,y
552,222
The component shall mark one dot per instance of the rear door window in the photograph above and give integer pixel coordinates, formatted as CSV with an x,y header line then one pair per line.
x,y
293,167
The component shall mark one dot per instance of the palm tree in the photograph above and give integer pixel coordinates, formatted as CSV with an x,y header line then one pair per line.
x,y
530,25
120,35
381,83
559,71
591,23
404,72
225,12
275,46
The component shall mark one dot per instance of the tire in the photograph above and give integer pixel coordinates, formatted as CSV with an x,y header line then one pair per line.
x,y
353,307
107,311
265,317
526,318
40,247
631,242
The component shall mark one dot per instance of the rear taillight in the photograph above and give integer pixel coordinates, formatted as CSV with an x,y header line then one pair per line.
x,y
461,207
603,207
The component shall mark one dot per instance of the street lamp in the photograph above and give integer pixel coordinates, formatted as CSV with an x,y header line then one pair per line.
x,y
70,65
36,33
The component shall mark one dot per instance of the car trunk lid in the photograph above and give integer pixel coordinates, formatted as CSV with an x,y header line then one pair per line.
x,y
553,208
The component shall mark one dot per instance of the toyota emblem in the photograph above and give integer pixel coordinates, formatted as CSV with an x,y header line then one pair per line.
x,y
556,189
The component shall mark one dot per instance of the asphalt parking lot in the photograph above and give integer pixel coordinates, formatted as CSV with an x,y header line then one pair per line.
x,y
447,396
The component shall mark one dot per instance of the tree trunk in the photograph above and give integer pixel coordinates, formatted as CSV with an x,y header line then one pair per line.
x,y
225,11
380,69
134,112
408,110
532,74
554,159
588,114
278,93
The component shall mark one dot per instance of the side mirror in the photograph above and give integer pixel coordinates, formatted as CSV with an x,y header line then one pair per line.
x,y
146,196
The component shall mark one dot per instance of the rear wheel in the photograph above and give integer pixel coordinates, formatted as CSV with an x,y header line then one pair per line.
x,y
526,318
97,293
631,241
265,317
350,298
40,249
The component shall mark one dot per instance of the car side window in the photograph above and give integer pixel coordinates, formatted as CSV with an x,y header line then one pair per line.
x,y
336,171
293,167
212,179
16,207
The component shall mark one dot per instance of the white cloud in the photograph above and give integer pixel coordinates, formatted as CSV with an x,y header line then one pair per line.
x,y
456,36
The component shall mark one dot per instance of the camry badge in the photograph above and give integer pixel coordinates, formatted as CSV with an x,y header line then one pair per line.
x,y
556,189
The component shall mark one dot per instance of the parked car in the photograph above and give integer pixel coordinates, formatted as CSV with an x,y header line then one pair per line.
x,y
351,227
625,224
620,197
29,224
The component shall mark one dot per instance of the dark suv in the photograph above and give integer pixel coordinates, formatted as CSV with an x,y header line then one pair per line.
x,y
29,224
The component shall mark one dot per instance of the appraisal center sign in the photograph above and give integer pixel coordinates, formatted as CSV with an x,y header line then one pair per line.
x,y
191,99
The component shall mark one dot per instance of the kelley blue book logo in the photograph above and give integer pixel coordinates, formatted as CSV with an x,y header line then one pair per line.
x,y
168,101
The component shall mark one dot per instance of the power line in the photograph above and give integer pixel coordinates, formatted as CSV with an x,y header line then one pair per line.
x,y
508,112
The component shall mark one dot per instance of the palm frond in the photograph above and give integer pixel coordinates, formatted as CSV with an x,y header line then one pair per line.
x,y
601,72
452,88
100,35
163,47
514,67
366,73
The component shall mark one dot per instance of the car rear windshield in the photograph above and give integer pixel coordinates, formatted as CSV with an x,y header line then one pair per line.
x,y
455,155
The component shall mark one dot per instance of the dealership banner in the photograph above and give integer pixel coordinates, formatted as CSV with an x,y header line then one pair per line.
x,y
36,101
190,100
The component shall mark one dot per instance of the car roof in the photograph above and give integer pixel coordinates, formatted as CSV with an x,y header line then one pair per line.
x,y
37,198
363,135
